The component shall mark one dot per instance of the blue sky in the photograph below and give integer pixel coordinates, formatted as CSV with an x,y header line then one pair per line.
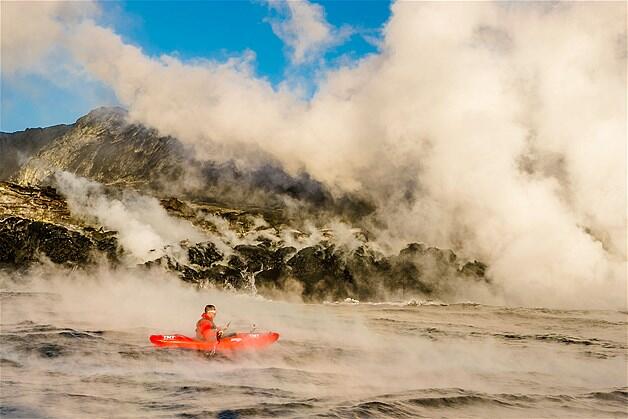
x,y
187,29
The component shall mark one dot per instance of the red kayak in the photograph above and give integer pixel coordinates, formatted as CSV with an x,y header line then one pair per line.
x,y
234,342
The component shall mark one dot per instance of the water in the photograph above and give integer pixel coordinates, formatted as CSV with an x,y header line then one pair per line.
x,y
78,347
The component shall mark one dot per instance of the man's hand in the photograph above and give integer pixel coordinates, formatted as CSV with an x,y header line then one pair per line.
x,y
219,334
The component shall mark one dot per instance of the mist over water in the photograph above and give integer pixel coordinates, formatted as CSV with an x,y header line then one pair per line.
x,y
89,335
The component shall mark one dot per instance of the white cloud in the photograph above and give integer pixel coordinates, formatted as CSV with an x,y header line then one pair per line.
x,y
303,28
32,31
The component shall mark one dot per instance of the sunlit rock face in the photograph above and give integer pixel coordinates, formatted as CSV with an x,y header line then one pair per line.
x,y
37,203
103,146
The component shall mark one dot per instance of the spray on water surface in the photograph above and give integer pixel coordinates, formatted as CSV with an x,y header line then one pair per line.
x,y
73,346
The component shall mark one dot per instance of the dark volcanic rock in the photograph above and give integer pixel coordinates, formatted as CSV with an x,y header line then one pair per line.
x,y
328,272
474,269
168,263
252,258
267,264
23,240
370,269
323,273
225,276
36,221
177,207
105,242
204,254
217,275
277,269
247,264
428,270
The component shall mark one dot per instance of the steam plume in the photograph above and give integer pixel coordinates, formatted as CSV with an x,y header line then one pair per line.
x,y
495,129
144,228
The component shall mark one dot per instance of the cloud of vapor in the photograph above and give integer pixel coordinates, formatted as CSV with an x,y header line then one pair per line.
x,y
144,228
495,129
304,30
32,30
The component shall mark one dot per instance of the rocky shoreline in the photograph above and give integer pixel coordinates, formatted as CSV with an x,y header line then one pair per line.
x,y
246,227
35,223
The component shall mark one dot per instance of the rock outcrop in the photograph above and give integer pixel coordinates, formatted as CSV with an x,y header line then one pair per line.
x,y
24,241
326,272
35,222
257,246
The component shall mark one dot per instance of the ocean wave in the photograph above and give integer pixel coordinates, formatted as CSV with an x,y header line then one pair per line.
x,y
408,303
562,339
463,403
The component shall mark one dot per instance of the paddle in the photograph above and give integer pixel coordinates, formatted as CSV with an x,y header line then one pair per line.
x,y
213,352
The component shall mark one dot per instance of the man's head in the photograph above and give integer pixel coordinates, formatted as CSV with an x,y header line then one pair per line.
x,y
210,309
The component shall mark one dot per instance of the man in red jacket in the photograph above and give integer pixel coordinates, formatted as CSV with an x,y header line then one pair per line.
x,y
206,328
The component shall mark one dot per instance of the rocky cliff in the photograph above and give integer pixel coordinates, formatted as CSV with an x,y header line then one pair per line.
x,y
251,241
36,224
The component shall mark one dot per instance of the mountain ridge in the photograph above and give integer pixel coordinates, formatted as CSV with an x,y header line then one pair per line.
x,y
105,147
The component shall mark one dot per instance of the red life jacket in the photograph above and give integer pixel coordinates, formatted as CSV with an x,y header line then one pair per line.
x,y
205,328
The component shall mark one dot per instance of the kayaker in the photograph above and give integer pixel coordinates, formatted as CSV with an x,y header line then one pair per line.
x,y
206,328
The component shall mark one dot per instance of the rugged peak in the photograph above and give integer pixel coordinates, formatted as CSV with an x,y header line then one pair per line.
x,y
113,115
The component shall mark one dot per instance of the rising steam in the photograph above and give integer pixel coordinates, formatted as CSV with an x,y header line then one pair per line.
x,y
497,129
145,229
